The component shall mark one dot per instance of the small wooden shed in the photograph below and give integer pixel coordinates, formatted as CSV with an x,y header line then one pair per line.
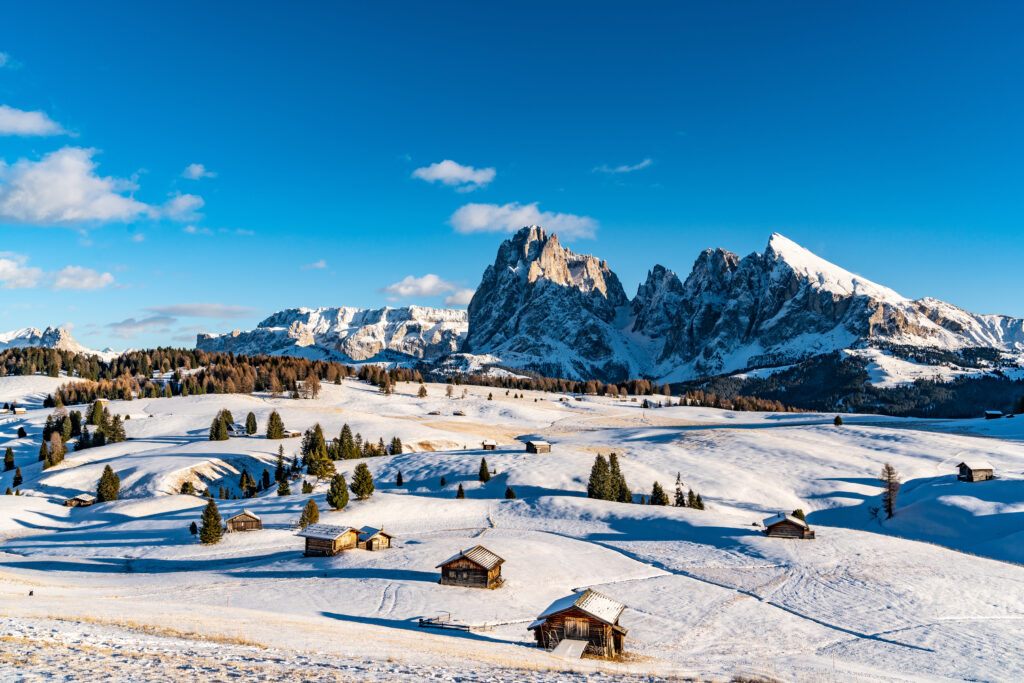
x,y
371,538
976,470
292,434
586,616
993,414
237,430
18,410
489,444
246,520
325,540
81,500
538,447
477,567
787,526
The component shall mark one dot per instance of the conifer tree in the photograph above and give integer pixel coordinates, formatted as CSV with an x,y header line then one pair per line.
x,y
680,501
691,499
346,444
8,459
283,489
116,432
444,482
8,492
193,528
799,514
188,489
422,392
16,482
211,530
21,433
218,430
618,489
398,479
396,446
279,473
310,514
109,486
207,494
250,424
461,493
44,453
700,502
598,484
658,496
307,487
266,479
485,471
337,495
275,426
891,487
509,493
362,482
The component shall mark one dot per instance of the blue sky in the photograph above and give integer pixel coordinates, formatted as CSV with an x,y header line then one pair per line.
x,y
174,167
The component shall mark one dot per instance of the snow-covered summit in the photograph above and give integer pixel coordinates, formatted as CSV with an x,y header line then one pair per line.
x,y
50,338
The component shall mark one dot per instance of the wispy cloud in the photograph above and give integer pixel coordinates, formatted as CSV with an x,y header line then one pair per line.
x,y
459,298
473,218
130,327
193,230
19,122
316,265
204,311
183,207
196,172
77,277
463,178
605,168
410,286
15,273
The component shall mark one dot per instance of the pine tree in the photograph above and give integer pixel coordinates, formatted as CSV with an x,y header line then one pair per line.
x,y
691,499
346,444
396,446
307,487
422,392
799,514
8,459
275,426
44,453
218,430
188,489
116,432
891,482
700,502
509,493
310,514
838,422
279,474
398,479
680,501
250,424
283,489
618,489
598,484
266,479
362,482
461,493
485,471
444,482
22,433
337,495
207,494
16,482
193,528
109,486
211,531
658,496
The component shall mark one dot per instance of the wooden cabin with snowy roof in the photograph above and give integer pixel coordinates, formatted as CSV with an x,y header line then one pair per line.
x,y
489,445
787,526
81,500
246,520
535,446
371,538
589,618
477,567
976,470
324,540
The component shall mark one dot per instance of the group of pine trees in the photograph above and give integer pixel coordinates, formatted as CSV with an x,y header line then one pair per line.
x,y
220,424
318,454
63,426
607,482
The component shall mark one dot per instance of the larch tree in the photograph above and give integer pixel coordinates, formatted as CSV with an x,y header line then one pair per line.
x,y
658,496
890,479
310,514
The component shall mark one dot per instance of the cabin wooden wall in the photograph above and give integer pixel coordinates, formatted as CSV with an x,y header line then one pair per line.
x,y
244,524
462,572
568,624
321,546
788,530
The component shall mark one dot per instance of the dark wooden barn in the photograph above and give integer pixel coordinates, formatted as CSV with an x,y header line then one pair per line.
x,y
489,445
373,539
589,617
244,521
976,470
787,526
538,447
81,500
477,567
326,540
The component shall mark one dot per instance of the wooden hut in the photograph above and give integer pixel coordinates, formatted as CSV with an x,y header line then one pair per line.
x,y
976,470
292,434
538,447
245,520
371,538
477,567
326,540
81,500
17,410
587,617
993,414
237,430
489,444
787,526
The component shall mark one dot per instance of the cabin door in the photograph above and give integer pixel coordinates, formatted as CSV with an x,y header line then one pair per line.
x,y
577,629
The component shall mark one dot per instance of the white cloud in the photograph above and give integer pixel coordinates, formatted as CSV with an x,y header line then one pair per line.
x,y
4,59
15,274
129,327
197,171
77,277
183,207
62,188
459,298
18,122
193,230
605,168
315,265
466,178
510,217
409,286
204,311
138,237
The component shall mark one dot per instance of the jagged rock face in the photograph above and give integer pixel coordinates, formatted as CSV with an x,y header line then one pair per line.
x,y
50,338
543,307
348,334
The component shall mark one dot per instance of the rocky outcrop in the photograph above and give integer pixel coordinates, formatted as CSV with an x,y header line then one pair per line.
x,y
50,338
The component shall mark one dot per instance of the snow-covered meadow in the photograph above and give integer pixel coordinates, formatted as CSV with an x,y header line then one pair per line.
x,y
937,592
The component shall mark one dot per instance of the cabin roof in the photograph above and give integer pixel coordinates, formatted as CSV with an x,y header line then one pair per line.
x,y
368,532
490,442
538,442
594,604
993,412
246,511
783,517
477,555
325,532
975,465
84,497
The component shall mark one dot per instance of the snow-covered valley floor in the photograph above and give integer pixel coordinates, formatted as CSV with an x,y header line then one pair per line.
x,y
936,593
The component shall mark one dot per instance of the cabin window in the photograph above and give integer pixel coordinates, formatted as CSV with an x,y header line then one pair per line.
x,y
577,629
